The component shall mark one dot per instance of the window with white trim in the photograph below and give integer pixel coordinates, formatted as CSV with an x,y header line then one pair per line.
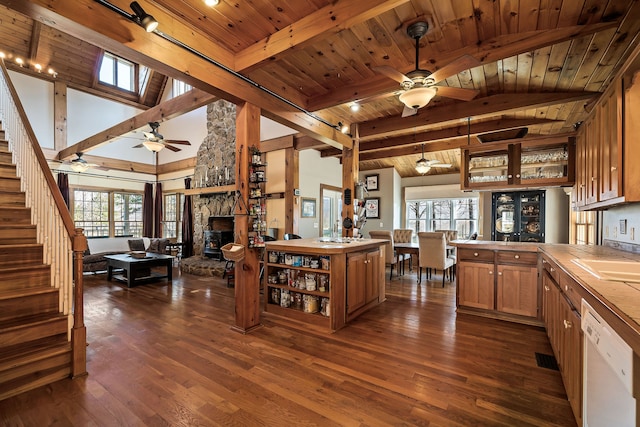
x,y
180,88
443,214
172,215
117,72
107,213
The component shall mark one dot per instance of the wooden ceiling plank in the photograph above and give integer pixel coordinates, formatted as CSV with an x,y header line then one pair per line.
x,y
489,51
126,39
191,100
330,19
478,108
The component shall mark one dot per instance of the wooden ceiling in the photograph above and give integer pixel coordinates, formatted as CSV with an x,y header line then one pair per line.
x,y
539,63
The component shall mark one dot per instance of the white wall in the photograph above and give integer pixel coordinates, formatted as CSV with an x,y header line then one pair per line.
x,y
611,223
36,97
315,170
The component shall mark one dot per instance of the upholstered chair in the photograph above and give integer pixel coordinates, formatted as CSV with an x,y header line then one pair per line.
x,y
391,258
405,235
433,254
451,235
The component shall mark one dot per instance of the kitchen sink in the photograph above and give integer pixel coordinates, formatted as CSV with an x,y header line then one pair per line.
x,y
620,271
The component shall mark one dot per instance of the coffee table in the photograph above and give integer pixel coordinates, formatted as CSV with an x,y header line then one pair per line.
x,y
139,269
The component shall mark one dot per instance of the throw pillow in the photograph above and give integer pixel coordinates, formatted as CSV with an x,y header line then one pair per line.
x,y
136,245
154,246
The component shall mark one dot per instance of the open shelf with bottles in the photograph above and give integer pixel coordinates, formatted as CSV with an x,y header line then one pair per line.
x,y
257,199
299,286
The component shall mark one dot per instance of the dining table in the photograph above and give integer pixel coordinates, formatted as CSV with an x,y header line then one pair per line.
x,y
412,248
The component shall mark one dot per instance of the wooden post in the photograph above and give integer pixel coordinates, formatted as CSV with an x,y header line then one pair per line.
x,y
79,331
247,271
350,170
291,182
60,115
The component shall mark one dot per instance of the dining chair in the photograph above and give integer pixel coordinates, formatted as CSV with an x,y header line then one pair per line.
x,y
432,253
391,258
451,235
404,235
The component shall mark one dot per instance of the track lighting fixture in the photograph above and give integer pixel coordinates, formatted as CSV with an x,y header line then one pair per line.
x,y
147,21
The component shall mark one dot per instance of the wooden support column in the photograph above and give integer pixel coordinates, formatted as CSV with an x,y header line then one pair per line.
x,y
247,271
79,330
350,172
291,182
60,116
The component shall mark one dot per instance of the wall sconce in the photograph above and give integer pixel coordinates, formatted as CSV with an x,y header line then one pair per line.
x,y
147,21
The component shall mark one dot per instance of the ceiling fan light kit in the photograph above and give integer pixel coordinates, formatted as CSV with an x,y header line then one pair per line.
x,y
152,145
422,166
79,167
417,97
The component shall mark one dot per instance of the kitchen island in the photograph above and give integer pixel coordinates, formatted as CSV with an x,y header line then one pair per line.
x,y
323,282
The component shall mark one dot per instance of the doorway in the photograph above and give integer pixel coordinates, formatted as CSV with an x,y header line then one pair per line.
x,y
330,211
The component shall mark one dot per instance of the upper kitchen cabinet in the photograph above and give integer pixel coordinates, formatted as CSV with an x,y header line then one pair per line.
x,y
535,163
605,171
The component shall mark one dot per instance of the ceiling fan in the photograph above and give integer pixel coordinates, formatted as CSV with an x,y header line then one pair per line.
x,y
419,86
423,165
154,141
78,164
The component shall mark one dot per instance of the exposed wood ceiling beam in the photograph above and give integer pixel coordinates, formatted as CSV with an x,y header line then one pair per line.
x,y
177,166
329,20
491,50
34,44
440,134
85,19
191,100
478,108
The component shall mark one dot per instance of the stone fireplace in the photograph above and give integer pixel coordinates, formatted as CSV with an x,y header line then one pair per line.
x,y
220,233
216,154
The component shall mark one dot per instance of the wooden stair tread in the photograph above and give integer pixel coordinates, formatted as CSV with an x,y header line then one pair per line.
x,y
23,292
20,268
27,321
31,353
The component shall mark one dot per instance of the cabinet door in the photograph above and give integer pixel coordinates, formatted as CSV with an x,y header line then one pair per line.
x,y
592,135
517,290
476,285
571,358
580,188
372,277
610,143
356,272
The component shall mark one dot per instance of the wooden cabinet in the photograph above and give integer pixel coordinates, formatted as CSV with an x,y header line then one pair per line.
x,y
606,173
562,322
499,283
325,285
363,280
257,200
538,163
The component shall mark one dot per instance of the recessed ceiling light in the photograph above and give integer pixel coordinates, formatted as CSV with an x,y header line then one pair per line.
x,y
355,107
19,61
211,3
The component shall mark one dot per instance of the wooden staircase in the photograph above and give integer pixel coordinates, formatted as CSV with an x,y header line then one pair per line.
x,y
34,348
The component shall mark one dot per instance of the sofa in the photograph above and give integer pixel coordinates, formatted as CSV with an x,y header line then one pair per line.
x,y
94,260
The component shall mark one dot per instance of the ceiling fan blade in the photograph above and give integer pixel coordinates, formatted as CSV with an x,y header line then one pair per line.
x,y
177,141
172,148
408,111
392,73
138,146
441,165
463,63
457,93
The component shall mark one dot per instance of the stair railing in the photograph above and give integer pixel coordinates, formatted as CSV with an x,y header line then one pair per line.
x,y
63,244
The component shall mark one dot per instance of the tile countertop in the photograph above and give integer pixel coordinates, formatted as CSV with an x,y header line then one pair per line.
x,y
617,302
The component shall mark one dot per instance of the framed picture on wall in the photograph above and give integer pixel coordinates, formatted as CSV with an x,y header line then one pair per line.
x,y
372,207
308,208
371,182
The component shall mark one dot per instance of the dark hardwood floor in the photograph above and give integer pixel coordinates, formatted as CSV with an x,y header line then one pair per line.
x,y
164,355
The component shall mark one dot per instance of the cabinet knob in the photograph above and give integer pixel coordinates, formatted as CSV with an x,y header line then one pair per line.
x,y
517,175
552,269
490,272
567,324
544,261
593,178
566,288
546,288
509,176
582,185
517,256
499,273
475,254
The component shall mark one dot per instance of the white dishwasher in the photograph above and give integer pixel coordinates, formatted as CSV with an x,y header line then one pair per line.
x,y
607,374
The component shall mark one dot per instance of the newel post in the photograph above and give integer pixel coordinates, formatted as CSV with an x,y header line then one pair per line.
x,y
79,331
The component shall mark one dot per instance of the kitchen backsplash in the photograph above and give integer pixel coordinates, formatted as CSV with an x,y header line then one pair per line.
x,y
622,224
